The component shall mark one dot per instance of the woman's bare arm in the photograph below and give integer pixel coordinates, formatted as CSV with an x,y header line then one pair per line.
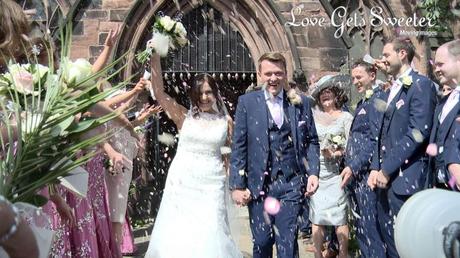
x,y
174,110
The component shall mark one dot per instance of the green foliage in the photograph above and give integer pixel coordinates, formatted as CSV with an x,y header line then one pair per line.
x,y
40,138
440,12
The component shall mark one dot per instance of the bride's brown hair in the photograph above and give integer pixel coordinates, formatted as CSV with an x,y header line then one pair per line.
x,y
195,92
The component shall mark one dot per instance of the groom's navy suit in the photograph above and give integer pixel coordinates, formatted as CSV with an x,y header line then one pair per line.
x,y
273,160
400,152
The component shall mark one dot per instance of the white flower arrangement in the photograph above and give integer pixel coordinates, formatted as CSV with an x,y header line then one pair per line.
x,y
40,109
334,142
293,97
167,33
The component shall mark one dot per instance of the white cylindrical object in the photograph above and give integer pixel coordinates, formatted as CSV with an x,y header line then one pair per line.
x,y
147,76
420,223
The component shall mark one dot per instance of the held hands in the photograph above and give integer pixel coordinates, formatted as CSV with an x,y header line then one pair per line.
x,y
241,196
377,179
346,175
312,185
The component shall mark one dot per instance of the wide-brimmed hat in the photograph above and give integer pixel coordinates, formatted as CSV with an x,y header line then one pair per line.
x,y
341,81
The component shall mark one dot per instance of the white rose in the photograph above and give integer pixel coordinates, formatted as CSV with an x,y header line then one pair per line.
x,y
180,29
167,23
78,71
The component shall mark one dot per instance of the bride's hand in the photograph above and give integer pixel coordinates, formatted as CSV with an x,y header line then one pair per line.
x,y
241,196
327,153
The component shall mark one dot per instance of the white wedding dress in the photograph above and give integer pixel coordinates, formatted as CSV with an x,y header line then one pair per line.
x,y
192,220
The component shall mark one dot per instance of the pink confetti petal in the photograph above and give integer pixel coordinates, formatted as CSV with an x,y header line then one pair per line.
x,y
432,149
272,205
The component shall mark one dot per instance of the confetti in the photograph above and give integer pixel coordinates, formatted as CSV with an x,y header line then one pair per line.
x,y
272,205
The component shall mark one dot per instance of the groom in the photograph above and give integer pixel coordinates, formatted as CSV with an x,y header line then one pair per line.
x,y
275,151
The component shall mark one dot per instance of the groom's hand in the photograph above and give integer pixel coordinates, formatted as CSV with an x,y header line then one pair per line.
x,y
241,196
312,185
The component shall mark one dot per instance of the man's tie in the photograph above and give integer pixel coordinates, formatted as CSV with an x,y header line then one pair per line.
x,y
276,111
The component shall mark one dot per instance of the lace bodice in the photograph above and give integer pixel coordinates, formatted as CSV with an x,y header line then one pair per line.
x,y
205,134
339,126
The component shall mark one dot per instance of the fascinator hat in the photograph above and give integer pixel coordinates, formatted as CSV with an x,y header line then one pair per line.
x,y
341,81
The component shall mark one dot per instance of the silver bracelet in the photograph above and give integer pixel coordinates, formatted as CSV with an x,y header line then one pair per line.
x,y
14,227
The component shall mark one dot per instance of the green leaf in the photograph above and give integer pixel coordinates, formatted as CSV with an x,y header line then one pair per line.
x,y
81,126
62,126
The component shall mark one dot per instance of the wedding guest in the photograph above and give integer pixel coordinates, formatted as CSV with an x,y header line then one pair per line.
x,y
445,133
93,236
328,206
446,90
121,150
361,143
399,166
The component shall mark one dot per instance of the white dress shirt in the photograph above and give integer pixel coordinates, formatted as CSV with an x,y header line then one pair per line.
x,y
396,86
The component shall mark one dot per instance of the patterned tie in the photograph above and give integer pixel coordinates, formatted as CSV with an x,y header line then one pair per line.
x,y
276,111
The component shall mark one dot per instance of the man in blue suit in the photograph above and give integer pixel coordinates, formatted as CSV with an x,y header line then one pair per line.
x,y
275,153
444,139
399,165
361,144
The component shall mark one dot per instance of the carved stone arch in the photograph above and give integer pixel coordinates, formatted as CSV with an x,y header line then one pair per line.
x,y
257,23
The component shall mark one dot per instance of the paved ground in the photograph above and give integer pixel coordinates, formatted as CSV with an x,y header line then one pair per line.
x,y
244,238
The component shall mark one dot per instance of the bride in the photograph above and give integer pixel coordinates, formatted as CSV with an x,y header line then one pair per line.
x,y
192,220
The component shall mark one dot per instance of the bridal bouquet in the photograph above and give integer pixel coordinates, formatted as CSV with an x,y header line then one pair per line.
x,y
40,130
334,142
167,33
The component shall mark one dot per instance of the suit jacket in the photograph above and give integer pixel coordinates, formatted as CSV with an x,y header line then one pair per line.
x,y
363,134
404,135
250,146
448,138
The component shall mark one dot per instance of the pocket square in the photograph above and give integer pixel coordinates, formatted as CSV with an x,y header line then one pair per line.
x,y
399,104
301,123
362,112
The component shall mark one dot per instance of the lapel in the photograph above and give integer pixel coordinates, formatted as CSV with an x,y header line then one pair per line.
x,y
437,113
443,128
262,113
359,106
392,107
435,127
